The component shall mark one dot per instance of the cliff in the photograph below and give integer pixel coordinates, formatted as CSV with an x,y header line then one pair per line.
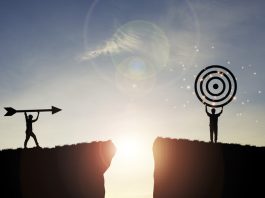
x,y
196,169
67,171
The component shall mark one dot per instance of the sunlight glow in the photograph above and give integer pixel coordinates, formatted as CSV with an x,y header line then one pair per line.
x,y
128,148
131,164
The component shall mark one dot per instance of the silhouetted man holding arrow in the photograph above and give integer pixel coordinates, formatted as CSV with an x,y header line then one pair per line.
x,y
213,123
29,131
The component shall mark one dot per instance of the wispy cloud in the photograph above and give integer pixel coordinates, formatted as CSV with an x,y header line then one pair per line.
x,y
120,42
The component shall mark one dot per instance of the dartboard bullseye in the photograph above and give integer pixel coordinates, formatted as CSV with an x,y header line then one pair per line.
x,y
215,86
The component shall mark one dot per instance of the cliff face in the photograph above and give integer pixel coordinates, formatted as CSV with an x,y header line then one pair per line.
x,y
68,171
196,169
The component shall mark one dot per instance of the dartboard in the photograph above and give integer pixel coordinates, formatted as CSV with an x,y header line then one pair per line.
x,y
215,86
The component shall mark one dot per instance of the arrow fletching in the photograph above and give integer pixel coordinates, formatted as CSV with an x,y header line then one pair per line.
x,y
10,111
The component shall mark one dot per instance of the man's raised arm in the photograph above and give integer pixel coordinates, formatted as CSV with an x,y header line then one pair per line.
x,y
207,111
36,117
26,117
220,112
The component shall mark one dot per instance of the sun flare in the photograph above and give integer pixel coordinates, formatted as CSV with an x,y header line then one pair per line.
x,y
128,148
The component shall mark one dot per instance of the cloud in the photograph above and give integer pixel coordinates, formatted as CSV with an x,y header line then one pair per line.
x,y
121,41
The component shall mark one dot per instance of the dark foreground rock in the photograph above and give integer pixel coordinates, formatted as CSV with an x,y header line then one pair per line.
x,y
195,169
68,171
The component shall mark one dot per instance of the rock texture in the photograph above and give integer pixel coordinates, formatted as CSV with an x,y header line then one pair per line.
x,y
67,171
196,169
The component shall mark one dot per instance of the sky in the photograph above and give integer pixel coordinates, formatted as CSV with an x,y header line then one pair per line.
x,y
124,70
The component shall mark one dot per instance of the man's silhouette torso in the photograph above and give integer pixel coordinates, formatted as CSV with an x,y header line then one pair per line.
x,y
213,123
213,119
29,125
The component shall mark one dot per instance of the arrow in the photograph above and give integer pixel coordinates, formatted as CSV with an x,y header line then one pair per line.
x,y
11,111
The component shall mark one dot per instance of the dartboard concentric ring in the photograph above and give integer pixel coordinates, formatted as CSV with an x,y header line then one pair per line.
x,y
223,87
215,86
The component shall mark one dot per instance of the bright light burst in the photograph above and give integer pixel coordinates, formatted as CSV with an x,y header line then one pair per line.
x,y
129,148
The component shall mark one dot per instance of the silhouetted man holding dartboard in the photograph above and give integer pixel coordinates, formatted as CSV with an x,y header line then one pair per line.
x,y
215,86
213,123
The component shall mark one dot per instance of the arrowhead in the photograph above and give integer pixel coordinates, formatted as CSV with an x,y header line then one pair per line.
x,y
55,110
10,111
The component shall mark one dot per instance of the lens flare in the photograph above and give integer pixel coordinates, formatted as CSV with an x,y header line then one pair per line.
x,y
143,47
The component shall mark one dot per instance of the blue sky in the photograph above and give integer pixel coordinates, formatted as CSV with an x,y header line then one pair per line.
x,y
74,55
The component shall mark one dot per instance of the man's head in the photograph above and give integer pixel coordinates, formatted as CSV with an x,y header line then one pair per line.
x,y
30,117
213,110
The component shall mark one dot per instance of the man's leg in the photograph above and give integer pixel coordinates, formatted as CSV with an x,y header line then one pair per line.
x,y
211,134
216,134
35,139
26,140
